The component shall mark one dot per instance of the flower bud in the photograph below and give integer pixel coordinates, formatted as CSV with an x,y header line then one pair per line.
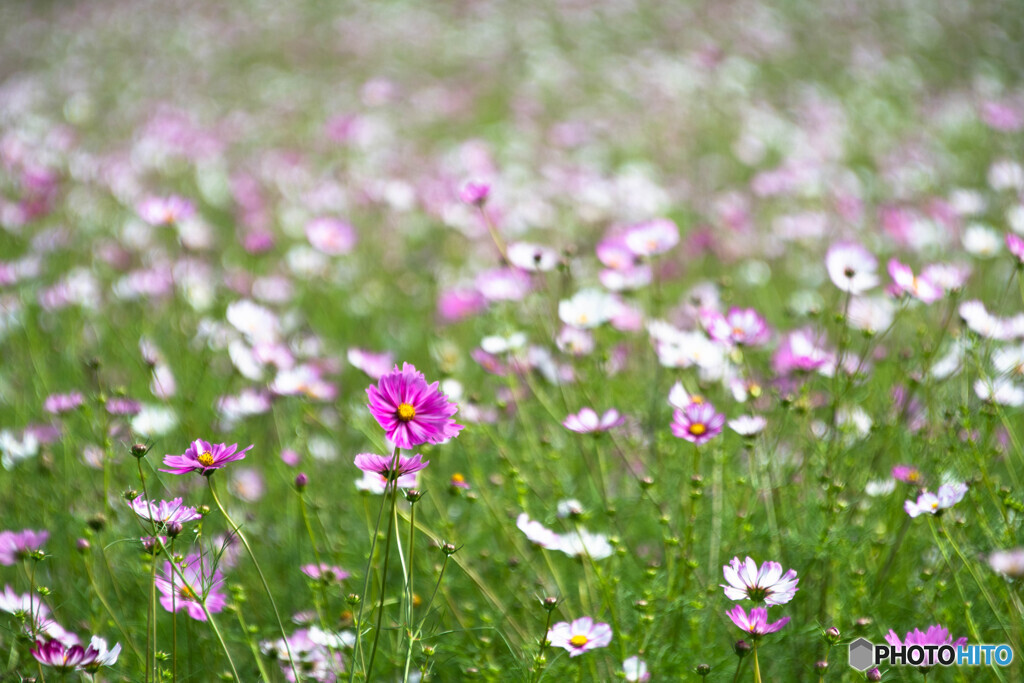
x,y
549,603
831,635
140,450
97,522
412,495
874,675
448,549
741,648
130,495
353,599
174,528
820,666
82,545
301,480
702,669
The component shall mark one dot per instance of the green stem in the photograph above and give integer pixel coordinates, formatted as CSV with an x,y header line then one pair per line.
x,y
757,666
410,614
387,555
266,587
357,648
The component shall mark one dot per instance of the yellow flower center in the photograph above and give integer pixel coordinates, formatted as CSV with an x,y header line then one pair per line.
x,y
205,459
578,641
186,593
697,398
406,412
698,428
457,478
935,505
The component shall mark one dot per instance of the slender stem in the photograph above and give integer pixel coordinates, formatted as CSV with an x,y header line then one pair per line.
x,y
266,587
96,589
357,648
174,627
152,621
739,666
252,643
757,667
410,613
543,642
384,570
175,570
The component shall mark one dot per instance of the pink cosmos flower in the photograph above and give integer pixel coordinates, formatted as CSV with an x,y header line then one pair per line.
x,y
202,585
56,654
456,304
376,365
16,545
741,326
411,411
587,421
123,406
579,636
164,512
651,237
851,267
698,423
503,284
757,623
635,670
768,585
800,351
613,253
58,404
474,192
203,457
324,571
1015,245
1007,562
165,210
947,496
907,474
919,287
331,236
935,635
381,464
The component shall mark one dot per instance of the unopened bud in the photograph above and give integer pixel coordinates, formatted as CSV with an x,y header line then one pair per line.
x,y
139,450
741,648
549,603
831,635
412,495
448,549
874,675
301,480
702,669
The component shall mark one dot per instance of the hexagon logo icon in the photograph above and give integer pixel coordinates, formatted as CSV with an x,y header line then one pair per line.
x,y
862,654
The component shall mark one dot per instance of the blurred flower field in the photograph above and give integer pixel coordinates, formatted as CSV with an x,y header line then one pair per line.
x,y
509,341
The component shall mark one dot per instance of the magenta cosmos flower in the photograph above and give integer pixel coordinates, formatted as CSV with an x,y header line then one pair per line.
x,y
740,326
935,635
579,636
768,585
204,458
56,654
756,624
16,545
327,572
587,421
411,411
202,585
698,423
381,464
